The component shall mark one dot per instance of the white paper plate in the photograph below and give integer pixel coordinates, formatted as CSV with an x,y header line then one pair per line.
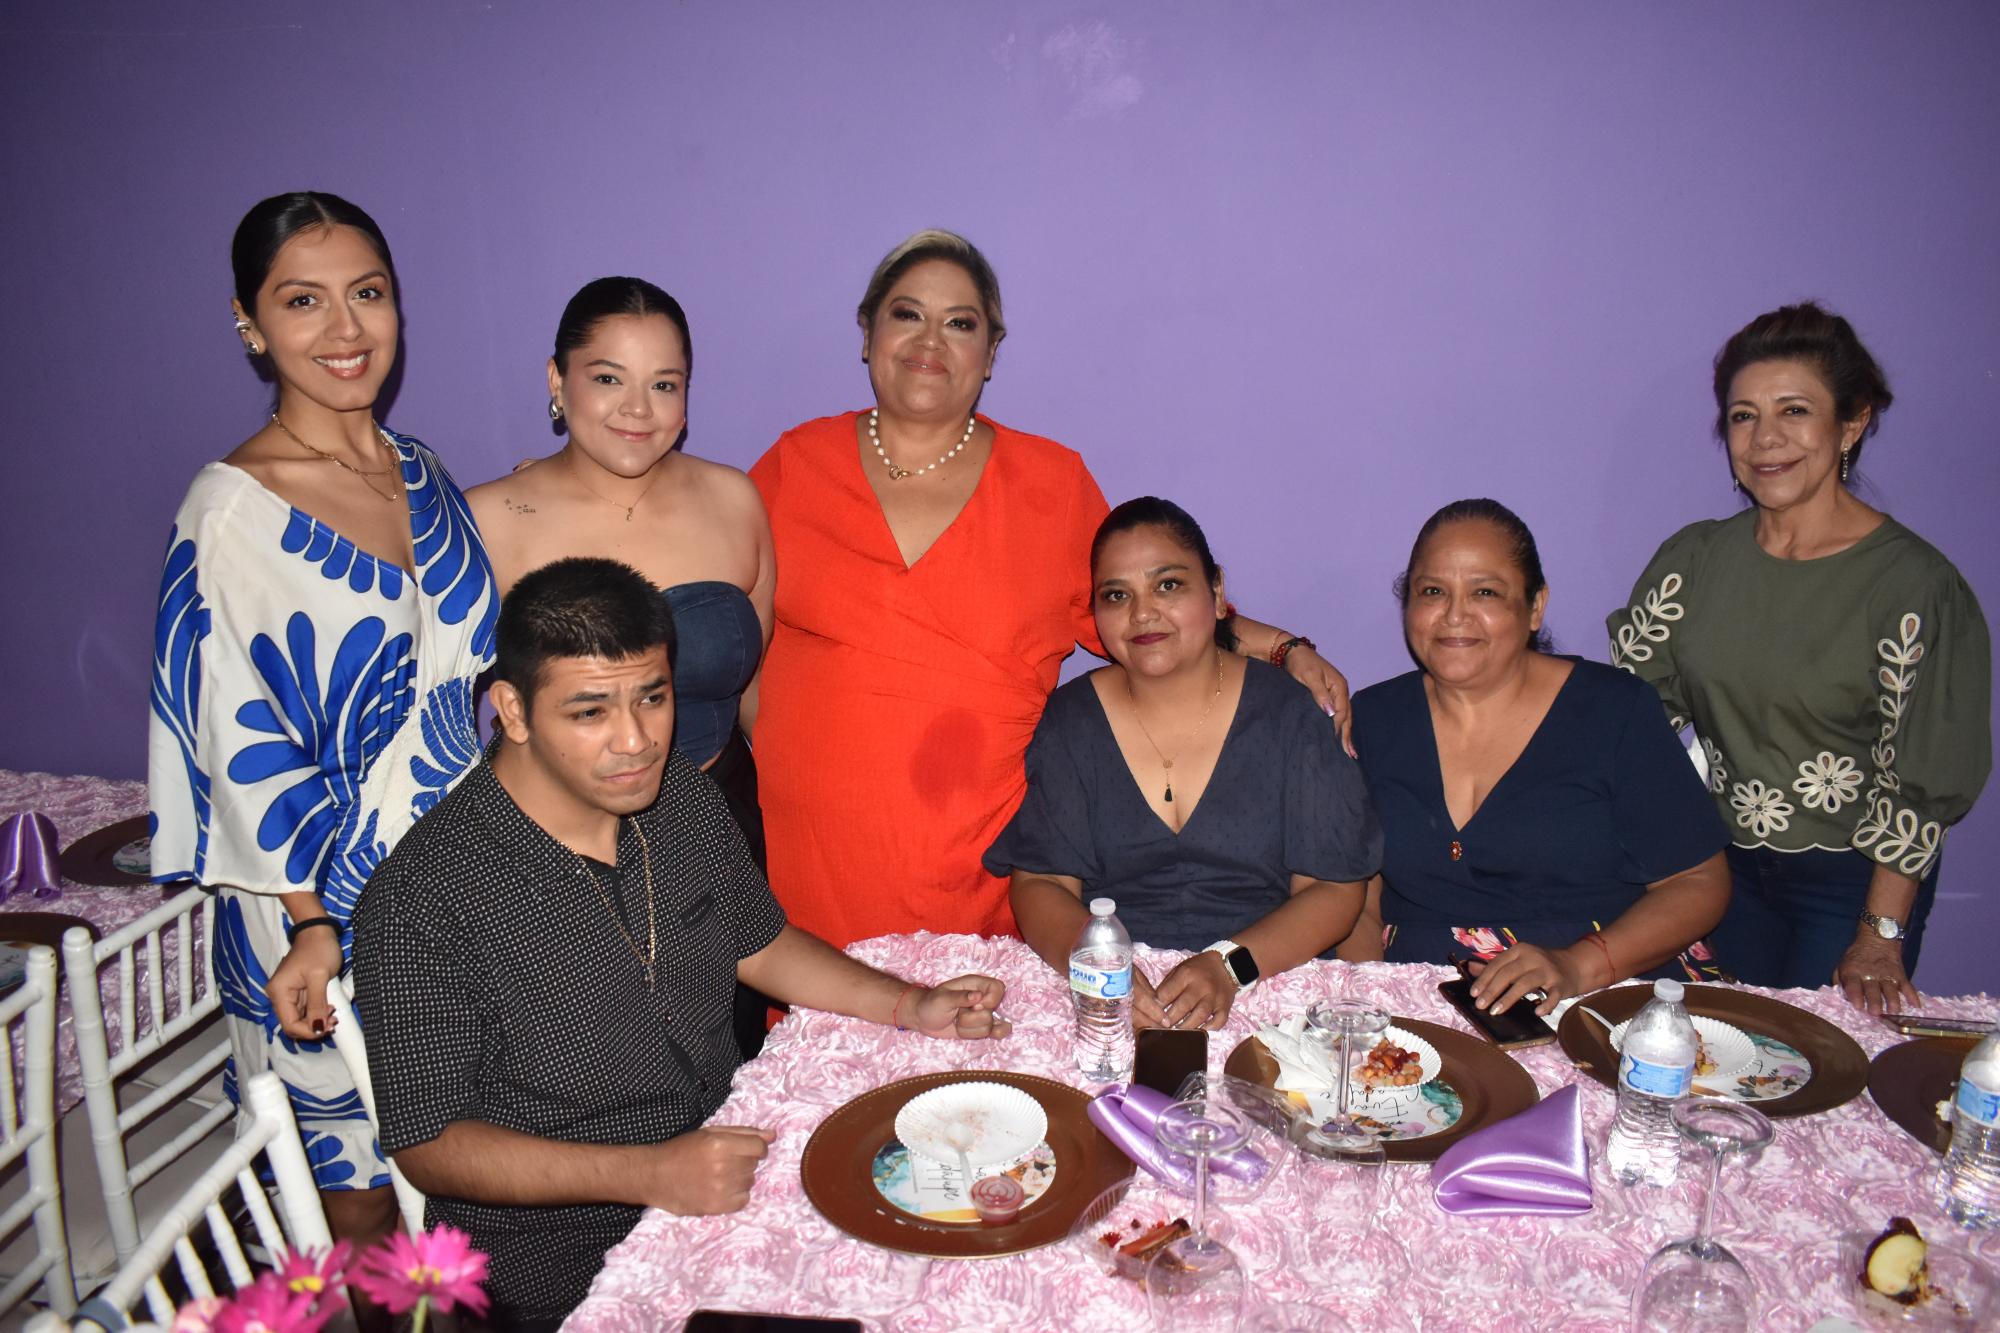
x,y
1729,1047
992,1122
1428,1060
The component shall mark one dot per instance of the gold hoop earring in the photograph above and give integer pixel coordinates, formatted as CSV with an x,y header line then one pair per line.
x,y
555,409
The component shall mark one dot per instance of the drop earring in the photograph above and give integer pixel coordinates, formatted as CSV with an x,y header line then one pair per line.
x,y
555,408
1844,463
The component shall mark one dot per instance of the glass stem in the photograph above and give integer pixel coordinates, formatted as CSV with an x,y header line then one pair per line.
x,y
1201,1195
1701,1243
1340,1075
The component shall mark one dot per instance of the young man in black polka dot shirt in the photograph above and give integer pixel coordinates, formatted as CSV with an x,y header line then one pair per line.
x,y
545,966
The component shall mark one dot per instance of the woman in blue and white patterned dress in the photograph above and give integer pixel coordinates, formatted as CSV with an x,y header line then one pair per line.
x,y
325,611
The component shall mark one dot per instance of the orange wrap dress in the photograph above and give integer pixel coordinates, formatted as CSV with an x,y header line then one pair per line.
x,y
897,701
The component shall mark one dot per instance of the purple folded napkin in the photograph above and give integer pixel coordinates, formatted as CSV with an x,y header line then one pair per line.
x,y
28,857
1128,1116
1534,1163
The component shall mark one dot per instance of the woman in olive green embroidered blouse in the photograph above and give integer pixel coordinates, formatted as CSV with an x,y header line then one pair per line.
x,y
1835,668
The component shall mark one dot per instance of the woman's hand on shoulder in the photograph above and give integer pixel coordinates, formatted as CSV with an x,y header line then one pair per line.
x,y
1329,689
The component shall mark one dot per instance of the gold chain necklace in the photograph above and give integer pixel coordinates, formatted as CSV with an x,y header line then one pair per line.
x,y
647,959
658,468
1193,731
343,464
897,473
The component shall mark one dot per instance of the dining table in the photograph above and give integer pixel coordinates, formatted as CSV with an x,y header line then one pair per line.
x,y
1402,1263
79,805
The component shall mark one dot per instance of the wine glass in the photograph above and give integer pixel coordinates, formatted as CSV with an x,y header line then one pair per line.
x,y
1195,1283
1695,1285
1342,1138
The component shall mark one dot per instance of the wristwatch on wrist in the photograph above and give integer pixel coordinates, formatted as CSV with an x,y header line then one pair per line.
x,y
1888,927
1239,962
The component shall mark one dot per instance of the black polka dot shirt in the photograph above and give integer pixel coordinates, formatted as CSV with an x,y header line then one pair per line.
x,y
493,985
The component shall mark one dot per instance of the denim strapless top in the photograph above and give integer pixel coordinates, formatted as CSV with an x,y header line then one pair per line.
x,y
717,643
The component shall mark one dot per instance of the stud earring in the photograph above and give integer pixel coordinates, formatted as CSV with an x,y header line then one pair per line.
x,y
1735,482
1844,464
555,408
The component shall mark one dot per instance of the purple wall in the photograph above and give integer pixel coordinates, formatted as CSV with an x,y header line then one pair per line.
x,y
1311,268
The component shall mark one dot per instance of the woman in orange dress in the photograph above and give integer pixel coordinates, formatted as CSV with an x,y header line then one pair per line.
x,y
933,573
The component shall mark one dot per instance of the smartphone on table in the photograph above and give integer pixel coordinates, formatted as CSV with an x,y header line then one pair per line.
x,y
1935,1025
723,1321
1518,1027
1163,1058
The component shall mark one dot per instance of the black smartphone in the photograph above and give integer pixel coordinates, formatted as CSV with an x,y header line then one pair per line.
x,y
1519,1026
722,1321
1930,1025
1164,1057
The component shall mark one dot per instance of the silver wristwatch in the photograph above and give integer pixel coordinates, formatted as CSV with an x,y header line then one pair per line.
x,y
1888,927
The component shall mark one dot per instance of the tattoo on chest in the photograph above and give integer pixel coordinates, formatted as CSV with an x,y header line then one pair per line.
x,y
519,506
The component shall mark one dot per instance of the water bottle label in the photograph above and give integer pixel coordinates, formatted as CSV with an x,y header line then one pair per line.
x,y
1100,983
1655,1080
1976,1103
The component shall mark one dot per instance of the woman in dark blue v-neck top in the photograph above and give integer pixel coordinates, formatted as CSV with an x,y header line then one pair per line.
x,y
1207,795
1594,855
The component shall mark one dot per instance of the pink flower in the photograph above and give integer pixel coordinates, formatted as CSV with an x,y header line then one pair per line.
x,y
439,1267
269,1306
304,1275
1480,940
198,1316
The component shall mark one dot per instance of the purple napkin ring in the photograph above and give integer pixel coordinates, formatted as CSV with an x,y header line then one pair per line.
x,y
28,857
1128,1116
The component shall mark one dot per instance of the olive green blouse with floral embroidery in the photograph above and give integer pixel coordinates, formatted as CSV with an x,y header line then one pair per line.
x,y
1841,702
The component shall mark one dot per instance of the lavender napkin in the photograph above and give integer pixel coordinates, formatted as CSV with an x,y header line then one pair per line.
x,y
1533,1163
1127,1116
28,857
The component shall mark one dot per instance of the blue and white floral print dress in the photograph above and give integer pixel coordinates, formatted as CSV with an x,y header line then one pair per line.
x,y
309,703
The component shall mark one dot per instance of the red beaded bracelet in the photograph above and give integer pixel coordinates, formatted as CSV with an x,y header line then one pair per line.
x,y
896,1011
1598,940
1284,648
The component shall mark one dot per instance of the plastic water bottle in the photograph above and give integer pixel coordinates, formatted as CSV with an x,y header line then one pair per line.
x,y
1100,983
1655,1069
1971,1181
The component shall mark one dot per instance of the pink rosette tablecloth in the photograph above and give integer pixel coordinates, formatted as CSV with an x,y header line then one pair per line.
x,y
1406,1266
81,806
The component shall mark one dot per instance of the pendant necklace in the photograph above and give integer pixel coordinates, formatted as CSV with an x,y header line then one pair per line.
x,y
342,464
647,959
1165,762
615,504
899,473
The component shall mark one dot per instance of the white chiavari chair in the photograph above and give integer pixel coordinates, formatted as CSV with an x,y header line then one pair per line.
x,y
271,1134
28,1119
349,1042
151,1016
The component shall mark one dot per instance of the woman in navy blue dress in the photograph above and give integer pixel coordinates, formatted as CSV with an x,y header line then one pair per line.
x,y
1537,811
1207,794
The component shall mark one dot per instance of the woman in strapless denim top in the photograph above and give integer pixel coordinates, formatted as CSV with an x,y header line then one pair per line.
x,y
623,488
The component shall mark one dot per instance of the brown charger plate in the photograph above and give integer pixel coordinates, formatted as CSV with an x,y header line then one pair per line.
x,y
1491,1086
1840,1067
93,858
1908,1081
837,1171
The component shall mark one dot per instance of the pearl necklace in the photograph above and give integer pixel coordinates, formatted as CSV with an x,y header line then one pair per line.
x,y
899,473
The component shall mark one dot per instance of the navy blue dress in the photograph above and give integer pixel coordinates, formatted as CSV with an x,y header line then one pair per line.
x,y
1284,800
1601,803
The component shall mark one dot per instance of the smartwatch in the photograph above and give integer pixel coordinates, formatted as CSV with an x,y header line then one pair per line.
x,y
1888,927
1238,960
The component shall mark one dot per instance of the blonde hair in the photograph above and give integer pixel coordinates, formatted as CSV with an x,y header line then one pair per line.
x,y
935,243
